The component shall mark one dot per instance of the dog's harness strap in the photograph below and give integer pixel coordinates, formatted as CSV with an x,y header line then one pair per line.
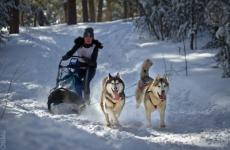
x,y
155,106
109,99
142,86
151,97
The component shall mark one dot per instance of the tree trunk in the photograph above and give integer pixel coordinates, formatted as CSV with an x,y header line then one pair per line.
x,y
136,8
130,13
72,16
99,12
14,19
92,11
85,10
141,11
109,10
161,28
125,3
65,5
35,19
41,17
22,18
185,57
192,26
192,41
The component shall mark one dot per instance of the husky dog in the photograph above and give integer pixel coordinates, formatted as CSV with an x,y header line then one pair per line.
x,y
112,99
145,79
155,98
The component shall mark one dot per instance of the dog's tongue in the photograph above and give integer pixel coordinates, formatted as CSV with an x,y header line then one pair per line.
x,y
116,95
163,97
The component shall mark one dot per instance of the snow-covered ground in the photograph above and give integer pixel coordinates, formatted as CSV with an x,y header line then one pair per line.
x,y
197,117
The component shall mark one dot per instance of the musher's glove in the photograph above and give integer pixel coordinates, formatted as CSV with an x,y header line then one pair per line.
x,y
98,44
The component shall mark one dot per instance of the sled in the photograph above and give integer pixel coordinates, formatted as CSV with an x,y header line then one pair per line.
x,y
64,91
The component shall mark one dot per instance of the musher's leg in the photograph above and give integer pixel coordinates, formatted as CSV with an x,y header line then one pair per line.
x,y
78,81
89,76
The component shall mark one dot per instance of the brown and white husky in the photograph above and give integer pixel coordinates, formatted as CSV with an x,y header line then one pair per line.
x,y
152,92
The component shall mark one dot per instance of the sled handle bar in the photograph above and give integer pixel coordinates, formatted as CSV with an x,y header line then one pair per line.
x,y
70,57
74,57
60,66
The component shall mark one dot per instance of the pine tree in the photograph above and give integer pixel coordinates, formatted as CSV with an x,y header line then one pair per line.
x,y
14,18
5,6
92,11
125,5
85,10
99,12
109,10
72,17
65,6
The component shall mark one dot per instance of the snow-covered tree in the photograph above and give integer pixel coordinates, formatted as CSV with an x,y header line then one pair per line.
x,y
218,18
173,18
223,36
180,19
5,6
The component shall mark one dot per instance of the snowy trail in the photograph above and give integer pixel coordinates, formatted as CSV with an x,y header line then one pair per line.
x,y
197,114
129,134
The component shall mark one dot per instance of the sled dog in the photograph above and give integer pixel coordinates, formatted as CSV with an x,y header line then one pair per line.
x,y
155,98
144,80
112,99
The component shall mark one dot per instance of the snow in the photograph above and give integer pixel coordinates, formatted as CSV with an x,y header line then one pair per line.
x,y
197,114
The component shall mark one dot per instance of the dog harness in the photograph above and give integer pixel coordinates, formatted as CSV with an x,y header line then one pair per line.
x,y
142,86
143,83
153,99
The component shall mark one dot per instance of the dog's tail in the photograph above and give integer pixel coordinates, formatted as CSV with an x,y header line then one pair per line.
x,y
145,69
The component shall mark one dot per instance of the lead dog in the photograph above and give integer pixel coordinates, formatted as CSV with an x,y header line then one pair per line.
x,y
112,99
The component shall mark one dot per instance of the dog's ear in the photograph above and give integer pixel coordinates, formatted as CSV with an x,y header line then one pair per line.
x,y
158,77
110,76
153,83
156,80
118,75
166,77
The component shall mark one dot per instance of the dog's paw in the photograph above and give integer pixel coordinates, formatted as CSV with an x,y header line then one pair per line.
x,y
162,126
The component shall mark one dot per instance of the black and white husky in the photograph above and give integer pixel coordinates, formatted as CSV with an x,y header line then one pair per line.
x,y
112,99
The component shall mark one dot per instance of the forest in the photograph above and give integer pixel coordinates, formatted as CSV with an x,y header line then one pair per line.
x,y
174,20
